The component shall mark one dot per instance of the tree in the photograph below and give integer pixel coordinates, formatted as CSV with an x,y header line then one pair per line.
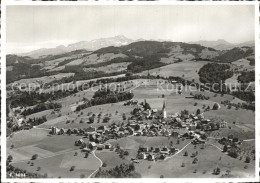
x,y
215,106
82,175
12,146
86,155
186,153
248,159
9,158
124,116
228,172
161,176
38,168
195,160
35,156
104,164
72,168
225,148
91,119
198,111
216,171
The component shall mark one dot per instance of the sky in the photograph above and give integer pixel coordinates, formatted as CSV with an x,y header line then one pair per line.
x,y
34,27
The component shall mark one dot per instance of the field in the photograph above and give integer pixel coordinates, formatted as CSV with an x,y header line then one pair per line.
x,y
208,159
45,79
94,58
116,67
244,63
186,69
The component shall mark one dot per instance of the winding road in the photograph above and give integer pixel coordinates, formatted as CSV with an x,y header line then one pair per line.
x,y
101,163
178,151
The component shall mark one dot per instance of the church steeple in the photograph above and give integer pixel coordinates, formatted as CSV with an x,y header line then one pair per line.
x,y
164,114
163,105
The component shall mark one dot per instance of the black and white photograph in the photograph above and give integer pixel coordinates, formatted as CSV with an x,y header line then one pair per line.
x,y
124,91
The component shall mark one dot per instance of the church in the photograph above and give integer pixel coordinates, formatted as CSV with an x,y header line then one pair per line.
x,y
163,112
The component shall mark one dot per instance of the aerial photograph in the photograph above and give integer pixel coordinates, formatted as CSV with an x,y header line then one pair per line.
x,y
135,91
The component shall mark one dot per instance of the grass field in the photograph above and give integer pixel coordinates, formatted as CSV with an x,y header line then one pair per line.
x,y
208,159
186,69
244,63
45,79
59,166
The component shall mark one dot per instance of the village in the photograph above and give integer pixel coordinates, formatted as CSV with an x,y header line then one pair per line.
x,y
145,122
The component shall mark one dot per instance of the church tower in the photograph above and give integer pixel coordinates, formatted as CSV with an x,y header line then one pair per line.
x,y
164,114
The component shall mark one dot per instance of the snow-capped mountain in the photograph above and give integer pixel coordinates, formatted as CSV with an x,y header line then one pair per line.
x,y
88,45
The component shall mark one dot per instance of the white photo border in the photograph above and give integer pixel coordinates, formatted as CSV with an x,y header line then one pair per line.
x,y
6,3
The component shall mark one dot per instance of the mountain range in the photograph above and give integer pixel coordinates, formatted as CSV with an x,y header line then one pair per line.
x,y
87,45
121,40
222,44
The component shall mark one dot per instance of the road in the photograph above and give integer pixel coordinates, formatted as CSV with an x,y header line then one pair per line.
x,y
101,163
178,151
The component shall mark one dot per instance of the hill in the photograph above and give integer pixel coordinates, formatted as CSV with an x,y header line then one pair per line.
x,y
222,44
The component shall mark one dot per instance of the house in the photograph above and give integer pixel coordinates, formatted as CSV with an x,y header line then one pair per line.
x,y
223,124
108,146
142,156
143,149
100,146
98,140
175,134
75,131
90,129
61,132
183,125
79,142
172,149
205,121
86,149
151,157
164,150
120,134
138,133
81,132
193,126
162,156
101,129
157,149
92,145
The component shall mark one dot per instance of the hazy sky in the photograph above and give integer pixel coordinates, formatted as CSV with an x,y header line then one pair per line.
x,y
33,27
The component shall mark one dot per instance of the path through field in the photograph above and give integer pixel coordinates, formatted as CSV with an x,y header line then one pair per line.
x,y
101,163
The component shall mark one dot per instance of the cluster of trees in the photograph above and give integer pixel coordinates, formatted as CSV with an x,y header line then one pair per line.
x,y
146,63
234,54
24,70
214,73
201,97
247,106
33,98
105,97
248,96
246,77
10,169
36,121
252,60
41,107
121,171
